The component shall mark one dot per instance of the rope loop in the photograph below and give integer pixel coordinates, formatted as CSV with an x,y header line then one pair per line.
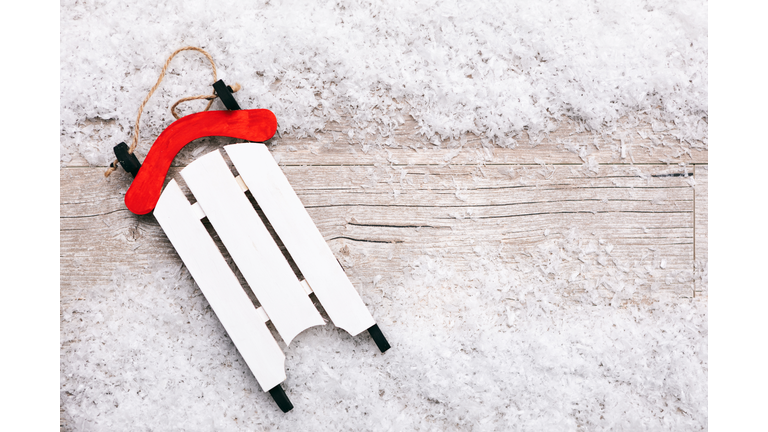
x,y
210,98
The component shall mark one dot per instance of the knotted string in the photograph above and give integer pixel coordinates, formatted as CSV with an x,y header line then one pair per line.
x,y
210,98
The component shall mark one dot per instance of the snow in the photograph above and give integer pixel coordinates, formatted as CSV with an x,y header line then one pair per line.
x,y
533,345
487,68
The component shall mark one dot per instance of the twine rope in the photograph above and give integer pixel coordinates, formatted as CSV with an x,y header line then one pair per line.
x,y
210,98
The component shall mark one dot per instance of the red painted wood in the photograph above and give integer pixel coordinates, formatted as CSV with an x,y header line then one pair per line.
x,y
252,125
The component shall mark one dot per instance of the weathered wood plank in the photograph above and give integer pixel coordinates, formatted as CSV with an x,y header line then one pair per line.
x,y
701,255
376,224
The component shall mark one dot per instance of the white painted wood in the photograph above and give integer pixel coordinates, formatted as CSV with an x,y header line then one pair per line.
x,y
298,232
251,246
237,314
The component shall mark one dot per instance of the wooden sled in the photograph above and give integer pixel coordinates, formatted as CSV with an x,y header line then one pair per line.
x,y
221,198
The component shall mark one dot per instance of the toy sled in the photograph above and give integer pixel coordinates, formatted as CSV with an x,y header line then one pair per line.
x,y
221,198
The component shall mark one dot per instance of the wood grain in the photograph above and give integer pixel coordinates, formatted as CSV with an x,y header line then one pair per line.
x,y
377,219
701,255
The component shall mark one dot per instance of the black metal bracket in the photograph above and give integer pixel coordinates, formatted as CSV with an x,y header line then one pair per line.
x,y
278,394
378,337
224,92
127,160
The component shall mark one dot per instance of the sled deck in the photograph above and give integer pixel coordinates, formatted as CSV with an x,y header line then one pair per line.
x,y
284,299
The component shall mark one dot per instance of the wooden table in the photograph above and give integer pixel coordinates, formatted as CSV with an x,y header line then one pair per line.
x,y
379,208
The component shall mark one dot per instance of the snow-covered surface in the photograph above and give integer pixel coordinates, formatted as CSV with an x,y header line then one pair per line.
x,y
503,347
489,68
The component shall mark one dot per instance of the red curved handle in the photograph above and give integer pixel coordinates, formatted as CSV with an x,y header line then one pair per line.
x,y
252,125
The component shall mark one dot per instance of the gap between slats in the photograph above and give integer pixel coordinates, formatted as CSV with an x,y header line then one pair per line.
x,y
198,210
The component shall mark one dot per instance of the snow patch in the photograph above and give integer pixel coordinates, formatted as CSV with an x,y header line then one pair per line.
x,y
531,343
491,69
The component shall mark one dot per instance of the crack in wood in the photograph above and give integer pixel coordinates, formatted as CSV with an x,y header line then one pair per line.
x,y
91,202
366,241
397,226
673,175
92,215
451,191
485,205
620,187
653,237
571,212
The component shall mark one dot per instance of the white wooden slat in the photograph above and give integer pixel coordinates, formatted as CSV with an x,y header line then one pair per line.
x,y
220,286
297,231
251,246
